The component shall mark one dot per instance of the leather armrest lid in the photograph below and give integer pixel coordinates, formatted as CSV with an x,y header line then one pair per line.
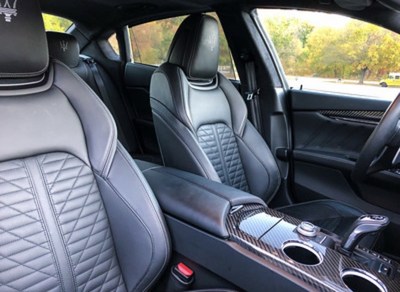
x,y
196,200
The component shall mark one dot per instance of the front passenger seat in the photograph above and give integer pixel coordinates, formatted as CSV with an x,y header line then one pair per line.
x,y
76,214
202,127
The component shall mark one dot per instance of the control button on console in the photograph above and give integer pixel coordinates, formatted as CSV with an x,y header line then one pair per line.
x,y
384,269
307,229
385,259
373,253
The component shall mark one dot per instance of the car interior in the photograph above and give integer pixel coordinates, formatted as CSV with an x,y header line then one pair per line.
x,y
179,173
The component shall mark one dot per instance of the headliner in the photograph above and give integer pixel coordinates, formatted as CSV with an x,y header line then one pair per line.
x,y
102,14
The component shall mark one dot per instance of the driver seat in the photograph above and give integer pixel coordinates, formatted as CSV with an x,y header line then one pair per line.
x,y
202,126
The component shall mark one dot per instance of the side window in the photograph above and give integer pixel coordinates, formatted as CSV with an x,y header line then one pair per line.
x,y
333,53
112,40
55,23
150,43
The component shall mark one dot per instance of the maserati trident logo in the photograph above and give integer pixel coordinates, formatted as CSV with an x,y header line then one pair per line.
x,y
212,41
8,9
64,46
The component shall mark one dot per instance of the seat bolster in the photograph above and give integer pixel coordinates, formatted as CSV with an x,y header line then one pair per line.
x,y
97,122
132,210
179,147
262,173
169,86
236,103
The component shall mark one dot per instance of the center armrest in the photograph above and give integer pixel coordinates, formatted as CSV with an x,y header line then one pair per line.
x,y
195,200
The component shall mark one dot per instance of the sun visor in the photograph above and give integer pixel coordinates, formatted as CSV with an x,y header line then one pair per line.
x,y
354,4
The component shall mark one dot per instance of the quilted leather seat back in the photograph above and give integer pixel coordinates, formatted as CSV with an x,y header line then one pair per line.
x,y
219,144
54,227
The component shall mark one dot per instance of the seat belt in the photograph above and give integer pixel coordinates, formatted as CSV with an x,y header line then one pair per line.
x,y
252,95
106,98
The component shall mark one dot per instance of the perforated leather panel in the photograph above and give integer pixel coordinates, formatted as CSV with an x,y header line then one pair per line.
x,y
219,144
82,220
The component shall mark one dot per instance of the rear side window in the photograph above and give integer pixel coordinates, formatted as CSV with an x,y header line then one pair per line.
x,y
56,23
151,41
112,40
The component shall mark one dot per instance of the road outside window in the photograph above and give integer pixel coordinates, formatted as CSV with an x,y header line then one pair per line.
x,y
327,52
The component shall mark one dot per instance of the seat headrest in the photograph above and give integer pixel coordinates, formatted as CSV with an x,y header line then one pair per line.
x,y
23,49
195,47
63,47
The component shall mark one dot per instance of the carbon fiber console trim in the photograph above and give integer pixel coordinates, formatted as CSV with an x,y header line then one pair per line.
x,y
325,276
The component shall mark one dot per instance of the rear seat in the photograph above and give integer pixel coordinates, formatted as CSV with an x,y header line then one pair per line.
x,y
65,48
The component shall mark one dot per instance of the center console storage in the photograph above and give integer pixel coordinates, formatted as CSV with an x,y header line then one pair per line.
x,y
235,234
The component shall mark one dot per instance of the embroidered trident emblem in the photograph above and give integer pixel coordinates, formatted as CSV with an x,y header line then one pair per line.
x,y
8,10
64,46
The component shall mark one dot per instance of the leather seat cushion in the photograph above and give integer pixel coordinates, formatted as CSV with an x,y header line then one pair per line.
x,y
331,215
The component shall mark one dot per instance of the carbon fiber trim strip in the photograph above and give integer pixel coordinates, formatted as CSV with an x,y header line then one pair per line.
x,y
360,116
325,276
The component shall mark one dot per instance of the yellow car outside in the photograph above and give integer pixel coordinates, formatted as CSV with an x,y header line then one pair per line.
x,y
392,80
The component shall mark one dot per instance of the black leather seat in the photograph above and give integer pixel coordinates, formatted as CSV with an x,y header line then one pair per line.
x,y
75,211
202,127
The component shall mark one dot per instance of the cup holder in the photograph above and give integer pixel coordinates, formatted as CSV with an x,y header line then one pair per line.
x,y
359,280
302,253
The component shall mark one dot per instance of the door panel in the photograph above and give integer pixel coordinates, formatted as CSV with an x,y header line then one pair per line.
x,y
329,132
320,133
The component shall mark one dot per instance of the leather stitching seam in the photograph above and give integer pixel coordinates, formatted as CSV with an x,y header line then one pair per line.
x,y
60,279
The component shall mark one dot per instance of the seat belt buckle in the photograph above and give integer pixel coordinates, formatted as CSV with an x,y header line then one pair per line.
x,y
88,60
183,274
251,95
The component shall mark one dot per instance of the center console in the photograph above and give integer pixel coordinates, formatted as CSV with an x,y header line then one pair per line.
x,y
306,252
235,235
